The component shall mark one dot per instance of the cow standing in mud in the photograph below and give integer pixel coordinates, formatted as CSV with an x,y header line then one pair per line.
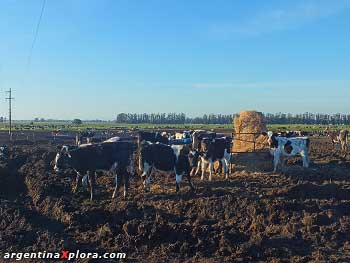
x,y
216,147
213,150
115,157
281,147
338,137
152,137
175,159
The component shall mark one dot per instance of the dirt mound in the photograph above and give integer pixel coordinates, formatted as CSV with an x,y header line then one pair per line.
x,y
24,229
11,182
328,191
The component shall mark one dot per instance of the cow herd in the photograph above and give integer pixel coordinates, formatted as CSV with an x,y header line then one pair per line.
x,y
184,155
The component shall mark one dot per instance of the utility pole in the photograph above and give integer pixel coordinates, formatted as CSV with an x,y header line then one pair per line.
x,y
10,98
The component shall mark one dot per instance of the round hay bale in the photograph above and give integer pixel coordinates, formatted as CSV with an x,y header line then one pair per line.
x,y
248,127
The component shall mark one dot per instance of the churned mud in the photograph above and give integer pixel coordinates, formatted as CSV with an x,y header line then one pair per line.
x,y
300,215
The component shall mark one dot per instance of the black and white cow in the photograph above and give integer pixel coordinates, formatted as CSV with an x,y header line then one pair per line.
x,y
83,134
94,139
183,135
115,157
291,134
213,150
165,158
152,137
281,147
4,152
197,137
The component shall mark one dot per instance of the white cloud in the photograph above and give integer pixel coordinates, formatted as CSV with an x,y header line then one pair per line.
x,y
281,19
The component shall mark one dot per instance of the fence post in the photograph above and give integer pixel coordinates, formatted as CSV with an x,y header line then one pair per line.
x,y
254,142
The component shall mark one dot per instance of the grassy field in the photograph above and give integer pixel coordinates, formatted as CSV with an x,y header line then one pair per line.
x,y
45,126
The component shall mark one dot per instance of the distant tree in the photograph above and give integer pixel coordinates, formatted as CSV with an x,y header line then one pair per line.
x,y
36,119
77,122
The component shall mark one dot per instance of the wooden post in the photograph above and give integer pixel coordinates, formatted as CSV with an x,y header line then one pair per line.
x,y
10,112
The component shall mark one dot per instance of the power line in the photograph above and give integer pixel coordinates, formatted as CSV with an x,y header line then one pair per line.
x,y
10,98
36,34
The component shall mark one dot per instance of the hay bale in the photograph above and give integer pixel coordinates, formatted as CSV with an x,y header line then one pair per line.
x,y
249,122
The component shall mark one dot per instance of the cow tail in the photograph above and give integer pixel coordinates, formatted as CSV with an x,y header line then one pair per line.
x,y
140,162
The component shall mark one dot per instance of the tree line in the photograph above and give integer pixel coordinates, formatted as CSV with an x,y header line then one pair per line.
x,y
308,118
172,118
271,118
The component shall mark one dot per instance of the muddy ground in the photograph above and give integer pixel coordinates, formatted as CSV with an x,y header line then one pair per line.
x,y
300,215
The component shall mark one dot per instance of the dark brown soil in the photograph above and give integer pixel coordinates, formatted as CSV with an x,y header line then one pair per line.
x,y
300,215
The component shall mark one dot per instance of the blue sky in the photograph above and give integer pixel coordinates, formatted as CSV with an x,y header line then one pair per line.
x,y
94,59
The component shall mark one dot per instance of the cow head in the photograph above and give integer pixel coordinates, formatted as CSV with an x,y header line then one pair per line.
x,y
272,141
288,147
61,157
205,144
196,139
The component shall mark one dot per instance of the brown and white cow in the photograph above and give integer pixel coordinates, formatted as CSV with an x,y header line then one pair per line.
x,y
338,137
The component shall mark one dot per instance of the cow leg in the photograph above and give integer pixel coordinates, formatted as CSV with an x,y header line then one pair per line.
x,y
92,184
193,171
190,182
211,169
305,157
219,170
77,182
204,168
343,146
276,160
225,166
199,164
283,161
126,183
116,188
147,168
178,181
